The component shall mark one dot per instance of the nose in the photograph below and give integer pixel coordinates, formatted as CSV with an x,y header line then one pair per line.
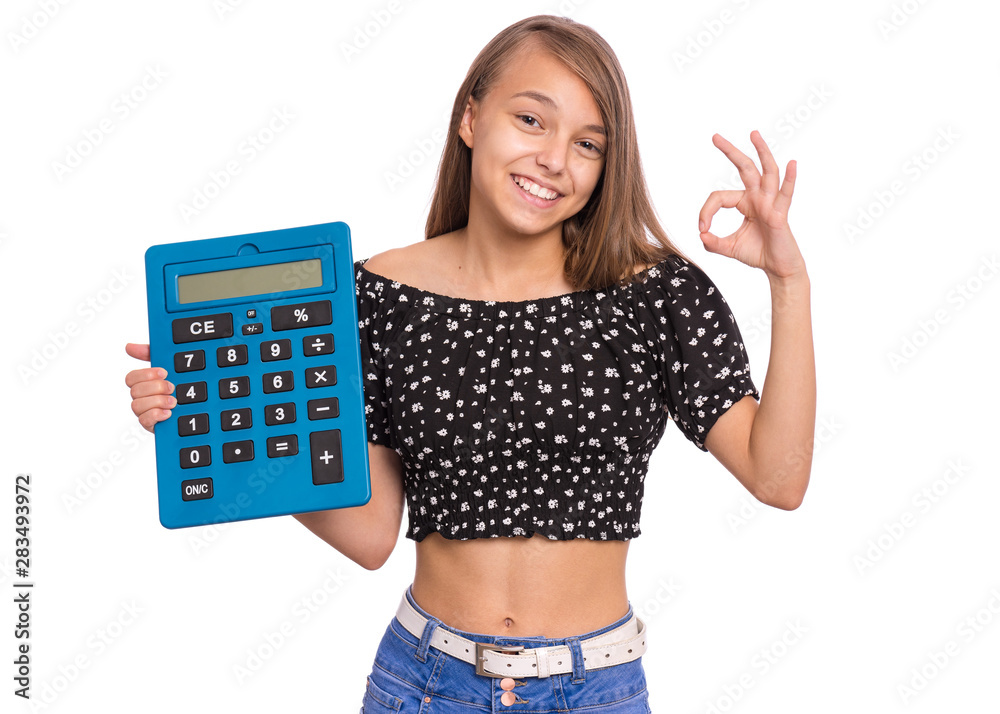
x,y
552,154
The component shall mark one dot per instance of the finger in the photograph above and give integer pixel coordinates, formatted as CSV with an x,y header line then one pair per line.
x,y
744,164
150,418
144,375
139,351
715,201
148,389
156,403
769,179
784,198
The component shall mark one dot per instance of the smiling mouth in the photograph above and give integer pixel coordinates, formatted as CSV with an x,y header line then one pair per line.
x,y
534,189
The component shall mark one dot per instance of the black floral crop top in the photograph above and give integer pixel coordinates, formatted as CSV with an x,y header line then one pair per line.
x,y
539,416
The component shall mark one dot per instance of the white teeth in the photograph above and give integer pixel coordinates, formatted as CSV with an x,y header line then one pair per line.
x,y
534,189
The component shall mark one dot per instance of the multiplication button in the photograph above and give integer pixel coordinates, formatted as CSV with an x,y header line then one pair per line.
x,y
325,376
317,345
327,457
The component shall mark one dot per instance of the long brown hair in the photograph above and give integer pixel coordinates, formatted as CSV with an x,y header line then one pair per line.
x,y
612,233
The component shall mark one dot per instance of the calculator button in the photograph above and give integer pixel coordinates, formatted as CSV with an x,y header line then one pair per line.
x,y
196,457
325,376
282,446
203,327
278,382
196,489
191,392
234,387
327,459
189,361
192,424
279,414
236,451
236,419
231,356
275,349
254,328
251,314
317,345
324,408
306,314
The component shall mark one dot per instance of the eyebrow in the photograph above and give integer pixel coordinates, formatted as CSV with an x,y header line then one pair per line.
x,y
550,102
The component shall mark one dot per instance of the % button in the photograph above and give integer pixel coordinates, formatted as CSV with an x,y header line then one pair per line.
x,y
309,314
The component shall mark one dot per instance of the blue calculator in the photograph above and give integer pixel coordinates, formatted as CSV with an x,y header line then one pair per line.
x,y
259,335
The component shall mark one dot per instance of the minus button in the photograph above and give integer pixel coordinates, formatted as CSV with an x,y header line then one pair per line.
x,y
327,408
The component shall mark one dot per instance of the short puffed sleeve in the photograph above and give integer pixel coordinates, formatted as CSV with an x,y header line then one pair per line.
x,y
703,363
373,315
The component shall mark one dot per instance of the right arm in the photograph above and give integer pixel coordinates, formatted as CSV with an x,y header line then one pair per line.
x,y
366,534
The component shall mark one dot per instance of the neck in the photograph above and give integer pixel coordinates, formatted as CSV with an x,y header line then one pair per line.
x,y
499,261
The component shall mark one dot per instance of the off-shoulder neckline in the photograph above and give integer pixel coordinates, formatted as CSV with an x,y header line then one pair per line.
x,y
490,306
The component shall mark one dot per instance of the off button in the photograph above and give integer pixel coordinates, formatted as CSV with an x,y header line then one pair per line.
x,y
196,489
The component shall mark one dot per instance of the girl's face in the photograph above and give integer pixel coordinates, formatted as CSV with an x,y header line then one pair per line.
x,y
537,143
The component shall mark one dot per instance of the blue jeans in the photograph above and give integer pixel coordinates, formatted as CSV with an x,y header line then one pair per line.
x,y
411,677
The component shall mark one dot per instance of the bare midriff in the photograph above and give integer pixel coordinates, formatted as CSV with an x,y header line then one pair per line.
x,y
522,586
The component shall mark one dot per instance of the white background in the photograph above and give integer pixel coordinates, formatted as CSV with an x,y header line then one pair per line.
x,y
895,545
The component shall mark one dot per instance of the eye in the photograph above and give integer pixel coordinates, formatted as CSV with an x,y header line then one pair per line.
x,y
589,146
529,118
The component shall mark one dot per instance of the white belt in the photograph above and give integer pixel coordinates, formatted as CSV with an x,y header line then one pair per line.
x,y
622,644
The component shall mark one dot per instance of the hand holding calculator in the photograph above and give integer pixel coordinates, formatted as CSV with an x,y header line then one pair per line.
x,y
259,333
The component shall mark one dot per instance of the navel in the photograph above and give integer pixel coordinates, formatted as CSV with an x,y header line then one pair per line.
x,y
509,622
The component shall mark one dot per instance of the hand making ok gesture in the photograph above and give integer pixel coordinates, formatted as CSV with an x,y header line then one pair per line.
x,y
764,240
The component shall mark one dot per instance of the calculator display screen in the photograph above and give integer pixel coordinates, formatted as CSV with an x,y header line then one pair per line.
x,y
244,282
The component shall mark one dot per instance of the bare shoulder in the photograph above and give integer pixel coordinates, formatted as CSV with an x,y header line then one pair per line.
x,y
409,263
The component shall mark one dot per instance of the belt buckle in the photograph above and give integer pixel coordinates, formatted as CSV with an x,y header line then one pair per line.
x,y
480,646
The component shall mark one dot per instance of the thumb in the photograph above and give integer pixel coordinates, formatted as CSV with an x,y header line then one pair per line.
x,y
139,351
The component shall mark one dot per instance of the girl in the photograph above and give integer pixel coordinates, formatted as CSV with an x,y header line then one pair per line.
x,y
520,368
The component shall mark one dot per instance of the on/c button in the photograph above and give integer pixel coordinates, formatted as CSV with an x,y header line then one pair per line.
x,y
196,489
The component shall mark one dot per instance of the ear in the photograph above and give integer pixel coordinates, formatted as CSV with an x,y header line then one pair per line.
x,y
466,126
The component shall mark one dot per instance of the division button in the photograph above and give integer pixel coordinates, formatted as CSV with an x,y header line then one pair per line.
x,y
196,489
236,451
282,446
325,376
327,458
204,327
323,408
306,314
317,345
189,361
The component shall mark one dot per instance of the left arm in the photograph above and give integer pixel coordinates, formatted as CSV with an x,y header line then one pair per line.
x,y
768,446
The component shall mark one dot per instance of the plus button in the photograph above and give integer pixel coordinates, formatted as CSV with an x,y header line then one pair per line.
x,y
326,457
